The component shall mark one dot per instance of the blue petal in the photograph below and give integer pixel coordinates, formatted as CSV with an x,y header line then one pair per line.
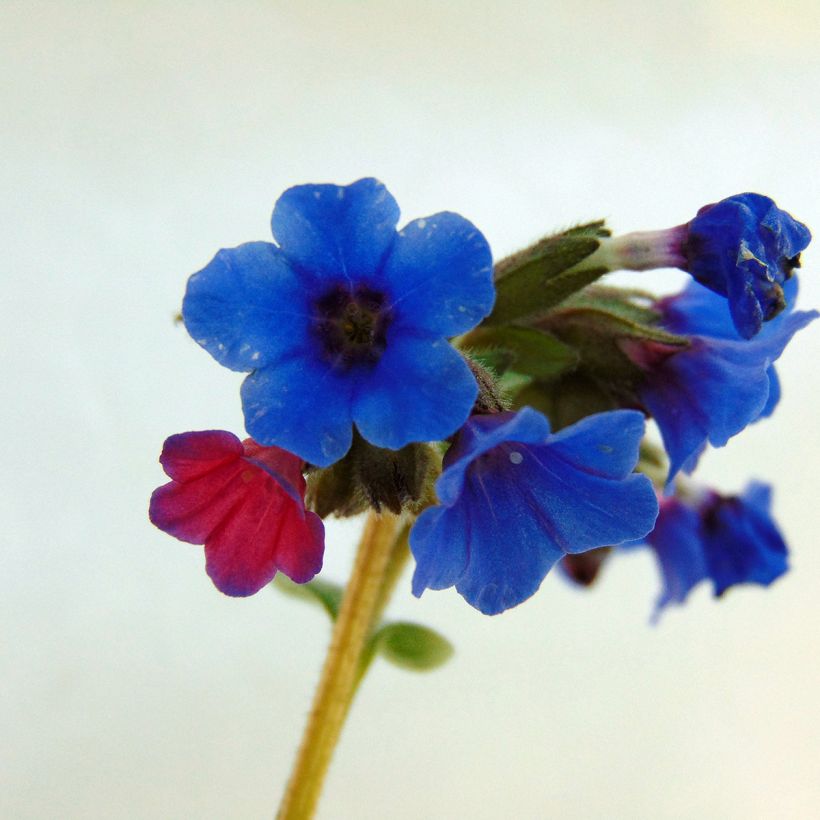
x,y
515,506
679,549
586,510
774,394
742,248
509,555
337,232
742,542
604,444
482,434
300,405
440,273
246,307
438,542
420,390
689,394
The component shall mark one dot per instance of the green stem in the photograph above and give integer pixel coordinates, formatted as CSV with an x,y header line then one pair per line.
x,y
399,555
362,600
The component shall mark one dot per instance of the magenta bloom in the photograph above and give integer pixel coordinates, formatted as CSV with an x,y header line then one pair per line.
x,y
245,503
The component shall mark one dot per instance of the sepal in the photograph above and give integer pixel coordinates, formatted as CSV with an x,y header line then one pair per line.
x,y
373,477
539,277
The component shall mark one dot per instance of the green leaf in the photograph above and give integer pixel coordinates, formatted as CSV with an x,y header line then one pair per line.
x,y
412,646
605,322
322,593
536,353
543,275
495,359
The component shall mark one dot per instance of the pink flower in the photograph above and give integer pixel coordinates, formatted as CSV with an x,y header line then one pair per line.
x,y
245,503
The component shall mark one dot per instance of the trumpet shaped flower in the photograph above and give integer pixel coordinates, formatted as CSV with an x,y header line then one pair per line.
x,y
245,503
516,498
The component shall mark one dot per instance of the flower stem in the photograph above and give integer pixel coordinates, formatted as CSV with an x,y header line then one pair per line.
x,y
362,600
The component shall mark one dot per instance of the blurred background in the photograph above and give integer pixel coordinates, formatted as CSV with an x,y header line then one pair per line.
x,y
137,139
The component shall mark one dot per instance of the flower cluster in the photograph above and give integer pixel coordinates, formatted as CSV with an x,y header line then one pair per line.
x,y
363,346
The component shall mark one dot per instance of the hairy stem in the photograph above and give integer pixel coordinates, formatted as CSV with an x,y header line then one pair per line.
x,y
363,599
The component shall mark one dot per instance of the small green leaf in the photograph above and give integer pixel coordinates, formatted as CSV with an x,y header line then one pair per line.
x,y
323,593
543,275
536,353
606,323
412,646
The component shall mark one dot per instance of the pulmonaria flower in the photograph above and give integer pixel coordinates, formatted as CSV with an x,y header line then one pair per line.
x,y
743,248
713,389
245,503
345,321
728,539
515,499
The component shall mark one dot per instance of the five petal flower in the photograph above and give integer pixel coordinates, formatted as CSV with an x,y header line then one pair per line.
x,y
245,503
346,321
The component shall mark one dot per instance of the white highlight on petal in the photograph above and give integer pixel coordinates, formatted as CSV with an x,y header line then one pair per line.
x,y
516,457
422,223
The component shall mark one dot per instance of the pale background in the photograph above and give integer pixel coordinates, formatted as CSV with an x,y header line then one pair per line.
x,y
137,139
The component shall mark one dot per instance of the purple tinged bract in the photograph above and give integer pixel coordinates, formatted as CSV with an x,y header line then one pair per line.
x,y
345,321
515,498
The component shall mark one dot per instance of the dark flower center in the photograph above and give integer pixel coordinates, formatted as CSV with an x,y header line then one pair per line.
x,y
352,326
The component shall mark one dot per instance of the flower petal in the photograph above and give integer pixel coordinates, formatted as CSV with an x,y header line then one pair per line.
x,y
245,503
480,435
440,272
302,405
243,554
509,555
687,394
333,231
420,390
604,444
246,307
438,542
678,547
188,455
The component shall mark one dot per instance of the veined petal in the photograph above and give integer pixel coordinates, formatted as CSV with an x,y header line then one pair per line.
x,y
302,405
604,444
516,499
510,549
420,390
230,496
335,231
480,436
186,456
440,274
246,307
439,542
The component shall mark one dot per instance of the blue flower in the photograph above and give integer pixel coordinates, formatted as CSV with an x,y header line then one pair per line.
x,y
345,321
713,389
515,499
745,248
728,539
